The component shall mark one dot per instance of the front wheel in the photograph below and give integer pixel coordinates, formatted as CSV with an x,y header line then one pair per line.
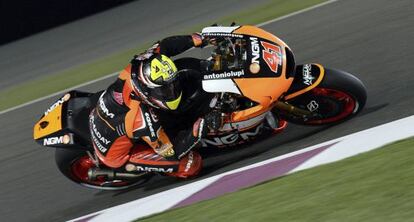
x,y
75,164
338,97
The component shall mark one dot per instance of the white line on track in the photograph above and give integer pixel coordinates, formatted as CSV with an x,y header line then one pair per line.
x,y
58,93
114,74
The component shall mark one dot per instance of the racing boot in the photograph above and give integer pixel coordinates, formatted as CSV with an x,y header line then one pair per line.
x,y
189,166
146,159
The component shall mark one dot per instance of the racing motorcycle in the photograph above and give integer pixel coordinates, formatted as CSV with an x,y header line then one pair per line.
x,y
257,87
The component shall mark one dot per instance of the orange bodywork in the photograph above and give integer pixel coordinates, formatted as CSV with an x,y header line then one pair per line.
x,y
54,121
265,91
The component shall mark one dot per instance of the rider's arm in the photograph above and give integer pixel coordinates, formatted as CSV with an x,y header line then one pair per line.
x,y
175,45
141,123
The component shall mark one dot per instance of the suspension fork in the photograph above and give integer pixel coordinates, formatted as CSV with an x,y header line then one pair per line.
x,y
285,106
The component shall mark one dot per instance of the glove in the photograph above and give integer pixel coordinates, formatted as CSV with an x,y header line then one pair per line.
x,y
199,40
203,41
213,120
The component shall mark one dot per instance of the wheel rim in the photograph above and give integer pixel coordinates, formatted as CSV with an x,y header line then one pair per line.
x,y
337,105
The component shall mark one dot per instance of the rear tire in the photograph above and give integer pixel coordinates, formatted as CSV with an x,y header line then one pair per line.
x,y
74,164
338,97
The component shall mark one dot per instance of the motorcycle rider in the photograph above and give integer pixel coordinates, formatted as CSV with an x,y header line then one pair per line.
x,y
154,100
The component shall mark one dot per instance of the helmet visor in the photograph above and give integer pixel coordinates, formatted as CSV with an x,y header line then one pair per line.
x,y
167,92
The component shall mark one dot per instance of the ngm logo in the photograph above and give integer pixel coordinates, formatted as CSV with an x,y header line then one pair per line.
x,y
56,140
65,98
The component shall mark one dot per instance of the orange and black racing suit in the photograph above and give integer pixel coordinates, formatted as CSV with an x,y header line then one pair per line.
x,y
120,123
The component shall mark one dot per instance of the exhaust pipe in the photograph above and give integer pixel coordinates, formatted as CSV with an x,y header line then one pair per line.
x,y
110,174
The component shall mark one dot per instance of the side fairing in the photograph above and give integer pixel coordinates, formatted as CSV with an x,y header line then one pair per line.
x,y
262,78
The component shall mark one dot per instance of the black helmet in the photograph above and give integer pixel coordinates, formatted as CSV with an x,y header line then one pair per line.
x,y
156,81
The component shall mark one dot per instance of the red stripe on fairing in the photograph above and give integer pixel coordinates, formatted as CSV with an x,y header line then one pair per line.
x,y
250,177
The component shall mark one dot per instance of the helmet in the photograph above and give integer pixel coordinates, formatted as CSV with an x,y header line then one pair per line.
x,y
156,82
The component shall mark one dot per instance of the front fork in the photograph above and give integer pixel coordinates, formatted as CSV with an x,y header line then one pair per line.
x,y
284,106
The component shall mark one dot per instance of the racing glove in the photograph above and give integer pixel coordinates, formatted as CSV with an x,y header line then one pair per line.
x,y
187,140
213,120
199,40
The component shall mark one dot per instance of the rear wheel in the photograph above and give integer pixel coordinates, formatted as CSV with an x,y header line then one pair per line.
x,y
338,97
75,164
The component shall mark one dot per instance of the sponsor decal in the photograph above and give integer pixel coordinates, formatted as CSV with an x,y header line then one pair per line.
x,y
255,50
118,98
153,115
97,137
312,106
307,74
65,98
103,107
130,167
233,138
272,55
255,63
65,139
150,126
154,169
254,68
222,34
224,75
190,162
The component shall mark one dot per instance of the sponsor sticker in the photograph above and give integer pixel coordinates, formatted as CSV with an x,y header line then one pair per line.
x,y
65,139
307,74
118,98
255,62
190,162
153,115
97,137
155,169
224,75
150,125
254,68
222,34
233,138
255,50
65,98
312,106
103,107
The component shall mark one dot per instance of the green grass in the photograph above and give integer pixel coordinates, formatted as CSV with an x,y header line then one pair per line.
x,y
47,84
374,186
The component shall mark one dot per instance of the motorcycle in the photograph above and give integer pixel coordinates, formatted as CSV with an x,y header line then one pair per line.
x,y
257,88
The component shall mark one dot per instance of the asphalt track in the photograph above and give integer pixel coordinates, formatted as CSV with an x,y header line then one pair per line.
x,y
371,38
121,28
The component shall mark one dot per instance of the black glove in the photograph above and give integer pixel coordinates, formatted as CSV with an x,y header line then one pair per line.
x,y
213,120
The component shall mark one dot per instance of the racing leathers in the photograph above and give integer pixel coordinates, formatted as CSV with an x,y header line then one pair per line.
x,y
130,135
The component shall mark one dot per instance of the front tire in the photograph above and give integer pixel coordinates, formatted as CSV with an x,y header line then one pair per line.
x,y
338,97
74,164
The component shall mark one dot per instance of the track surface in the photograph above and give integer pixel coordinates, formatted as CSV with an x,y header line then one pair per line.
x,y
124,27
371,38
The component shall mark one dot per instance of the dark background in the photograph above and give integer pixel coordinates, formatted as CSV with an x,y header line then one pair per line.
x,y
20,18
